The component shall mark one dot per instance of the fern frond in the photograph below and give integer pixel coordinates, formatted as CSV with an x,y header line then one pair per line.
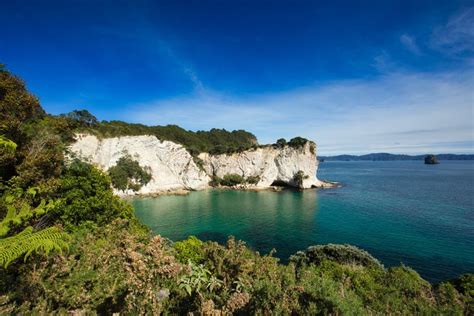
x,y
6,143
25,212
28,242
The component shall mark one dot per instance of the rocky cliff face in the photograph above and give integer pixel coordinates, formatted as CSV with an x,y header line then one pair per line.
x,y
271,165
173,168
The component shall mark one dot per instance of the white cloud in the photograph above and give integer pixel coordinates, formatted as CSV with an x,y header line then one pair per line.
x,y
398,112
410,43
457,36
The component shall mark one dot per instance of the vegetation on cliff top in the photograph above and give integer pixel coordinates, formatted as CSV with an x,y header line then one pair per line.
x,y
86,253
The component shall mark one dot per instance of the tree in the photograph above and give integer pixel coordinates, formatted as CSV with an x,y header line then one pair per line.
x,y
128,174
17,106
299,177
85,195
43,158
281,142
297,142
232,179
82,117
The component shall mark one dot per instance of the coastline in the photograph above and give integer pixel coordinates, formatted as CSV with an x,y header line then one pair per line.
x,y
129,195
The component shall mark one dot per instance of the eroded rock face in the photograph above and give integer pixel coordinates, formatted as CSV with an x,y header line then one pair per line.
x,y
173,168
270,164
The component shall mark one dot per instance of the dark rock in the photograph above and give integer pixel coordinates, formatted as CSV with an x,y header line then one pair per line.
x,y
431,160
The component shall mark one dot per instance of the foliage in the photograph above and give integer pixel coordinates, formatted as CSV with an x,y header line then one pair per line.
x,y
299,177
281,142
343,254
42,160
215,181
114,266
464,285
111,269
252,179
27,242
216,141
199,162
198,279
84,195
82,118
19,211
189,249
127,174
7,155
232,179
297,142
17,106
7,144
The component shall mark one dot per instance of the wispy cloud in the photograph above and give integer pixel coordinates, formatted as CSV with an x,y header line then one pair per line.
x,y
398,112
157,51
457,35
410,43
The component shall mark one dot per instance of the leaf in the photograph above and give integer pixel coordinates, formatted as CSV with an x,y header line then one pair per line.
x,y
28,242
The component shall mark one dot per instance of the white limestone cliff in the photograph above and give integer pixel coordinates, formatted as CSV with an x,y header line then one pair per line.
x,y
173,168
270,164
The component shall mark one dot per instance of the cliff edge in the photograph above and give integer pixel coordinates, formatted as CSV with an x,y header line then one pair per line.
x,y
173,168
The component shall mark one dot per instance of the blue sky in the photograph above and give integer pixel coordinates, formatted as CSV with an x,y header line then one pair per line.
x,y
355,76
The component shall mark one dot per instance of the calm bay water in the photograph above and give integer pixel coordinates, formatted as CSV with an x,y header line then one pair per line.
x,y
399,211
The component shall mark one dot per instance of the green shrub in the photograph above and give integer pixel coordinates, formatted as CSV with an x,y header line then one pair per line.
x,y
216,141
252,179
232,179
127,174
299,177
110,270
199,163
189,249
281,142
215,181
297,142
343,254
85,195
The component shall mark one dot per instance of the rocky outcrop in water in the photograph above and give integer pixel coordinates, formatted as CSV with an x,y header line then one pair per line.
x,y
431,160
173,168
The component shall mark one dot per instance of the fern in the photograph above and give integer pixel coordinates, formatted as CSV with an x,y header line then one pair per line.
x,y
19,215
28,242
6,143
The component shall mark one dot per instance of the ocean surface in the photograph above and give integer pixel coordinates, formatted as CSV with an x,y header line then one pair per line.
x,y
400,211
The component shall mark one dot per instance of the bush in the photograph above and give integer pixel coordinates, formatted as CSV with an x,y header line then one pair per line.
x,y
85,195
281,142
110,270
189,249
252,179
128,174
343,254
232,179
216,141
215,181
299,177
82,118
297,142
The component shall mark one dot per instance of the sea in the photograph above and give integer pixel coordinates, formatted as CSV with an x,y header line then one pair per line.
x,y
402,212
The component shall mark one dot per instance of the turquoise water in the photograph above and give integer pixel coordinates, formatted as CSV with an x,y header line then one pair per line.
x,y
401,212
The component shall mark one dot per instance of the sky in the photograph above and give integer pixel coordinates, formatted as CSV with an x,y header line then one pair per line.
x,y
355,76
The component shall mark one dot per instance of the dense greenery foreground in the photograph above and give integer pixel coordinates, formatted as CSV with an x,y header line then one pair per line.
x,y
68,245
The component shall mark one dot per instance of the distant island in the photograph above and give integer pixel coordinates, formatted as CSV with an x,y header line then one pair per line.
x,y
431,160
390,157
